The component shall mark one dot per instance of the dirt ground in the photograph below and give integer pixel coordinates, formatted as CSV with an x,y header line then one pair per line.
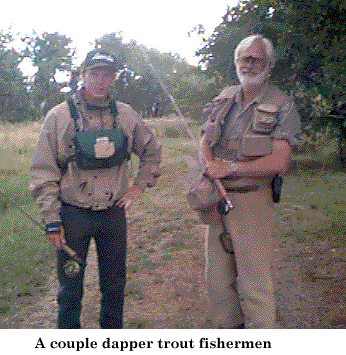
x,y
310,289
166,287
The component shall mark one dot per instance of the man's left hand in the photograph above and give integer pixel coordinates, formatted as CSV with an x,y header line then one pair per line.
x,y
130,198
217,169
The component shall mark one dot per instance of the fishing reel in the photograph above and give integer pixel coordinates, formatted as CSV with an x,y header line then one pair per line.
x,y
72,268
223,207
74,265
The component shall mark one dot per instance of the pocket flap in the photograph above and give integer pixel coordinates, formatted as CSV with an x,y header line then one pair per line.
x,y
269,108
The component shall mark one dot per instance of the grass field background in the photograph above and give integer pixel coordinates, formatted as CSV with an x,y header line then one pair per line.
x,y
312,207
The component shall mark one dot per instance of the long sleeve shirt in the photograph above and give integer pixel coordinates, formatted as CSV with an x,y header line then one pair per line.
x,y
56,178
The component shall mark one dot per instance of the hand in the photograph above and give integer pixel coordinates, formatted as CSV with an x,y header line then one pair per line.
x,y
217,169
57,238
130,198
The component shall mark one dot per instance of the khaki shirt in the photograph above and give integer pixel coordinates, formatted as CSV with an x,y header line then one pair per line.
x,y
55,178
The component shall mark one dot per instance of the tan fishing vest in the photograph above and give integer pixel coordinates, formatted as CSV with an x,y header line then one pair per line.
x,y
254,141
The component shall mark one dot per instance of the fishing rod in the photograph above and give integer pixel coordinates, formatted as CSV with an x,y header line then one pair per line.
x,y
72,254
228,203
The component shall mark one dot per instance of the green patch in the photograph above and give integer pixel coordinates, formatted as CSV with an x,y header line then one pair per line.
x,y
4,309
25,254
312,205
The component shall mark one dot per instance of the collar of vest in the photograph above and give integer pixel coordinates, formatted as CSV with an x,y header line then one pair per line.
x,y
270,95
78,107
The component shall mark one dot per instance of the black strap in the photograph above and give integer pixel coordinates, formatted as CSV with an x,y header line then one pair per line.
x,y
114,110
73,109
73,113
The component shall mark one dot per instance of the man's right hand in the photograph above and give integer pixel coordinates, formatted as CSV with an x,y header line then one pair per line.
x,y
57,238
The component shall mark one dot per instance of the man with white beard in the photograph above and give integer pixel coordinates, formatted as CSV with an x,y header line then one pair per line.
x,y
246,142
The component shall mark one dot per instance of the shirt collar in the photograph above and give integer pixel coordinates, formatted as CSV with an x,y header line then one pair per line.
x,y
239,97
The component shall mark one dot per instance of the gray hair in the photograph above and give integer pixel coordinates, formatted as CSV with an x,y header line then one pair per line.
x,y
248,41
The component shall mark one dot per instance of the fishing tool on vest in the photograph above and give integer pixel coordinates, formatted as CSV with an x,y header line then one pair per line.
x,y
74,261
99,149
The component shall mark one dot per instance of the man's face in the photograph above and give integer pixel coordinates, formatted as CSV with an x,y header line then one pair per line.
x,y
252,65
98,82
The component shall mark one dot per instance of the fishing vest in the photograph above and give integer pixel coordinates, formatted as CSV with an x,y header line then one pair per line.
x,y
99,149
255,140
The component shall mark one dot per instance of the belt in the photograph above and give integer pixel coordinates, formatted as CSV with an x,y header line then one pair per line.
x,y
91,208
242,189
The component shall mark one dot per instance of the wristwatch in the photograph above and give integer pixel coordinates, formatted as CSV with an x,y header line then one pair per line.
x,y
233,168
53,227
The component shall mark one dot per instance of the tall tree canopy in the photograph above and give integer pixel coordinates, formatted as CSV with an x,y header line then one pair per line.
x,y
14,99
310,41
138,85
50,53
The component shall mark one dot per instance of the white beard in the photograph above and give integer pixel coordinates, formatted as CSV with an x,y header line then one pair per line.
x,y
253,80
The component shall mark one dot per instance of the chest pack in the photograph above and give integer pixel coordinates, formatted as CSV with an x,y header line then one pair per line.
x,y
99,149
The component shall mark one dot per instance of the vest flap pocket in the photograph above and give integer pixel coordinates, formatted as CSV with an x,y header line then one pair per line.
x,y
269,108
256,146
265,118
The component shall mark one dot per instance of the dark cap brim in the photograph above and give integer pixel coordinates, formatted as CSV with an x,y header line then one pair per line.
x,y
100,65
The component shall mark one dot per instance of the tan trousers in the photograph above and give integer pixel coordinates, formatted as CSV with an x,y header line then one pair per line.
x,y
240,286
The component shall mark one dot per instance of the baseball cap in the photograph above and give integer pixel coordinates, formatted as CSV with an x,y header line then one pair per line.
x,y
99,59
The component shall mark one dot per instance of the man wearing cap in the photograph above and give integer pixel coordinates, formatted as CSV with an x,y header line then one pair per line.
x,y
246,141
79,180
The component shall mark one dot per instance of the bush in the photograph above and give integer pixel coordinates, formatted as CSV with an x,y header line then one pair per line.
x,y
320,145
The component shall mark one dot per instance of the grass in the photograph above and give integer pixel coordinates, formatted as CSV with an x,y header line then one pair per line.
x,y
313,206
24,252
162,225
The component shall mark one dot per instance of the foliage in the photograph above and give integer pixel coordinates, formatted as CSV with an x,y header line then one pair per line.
x,y
138,85
319,146
138,71
13,95
309,37
24,252
50,53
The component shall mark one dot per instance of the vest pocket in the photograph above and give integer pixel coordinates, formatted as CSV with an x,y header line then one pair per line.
x,y
265,119
256,145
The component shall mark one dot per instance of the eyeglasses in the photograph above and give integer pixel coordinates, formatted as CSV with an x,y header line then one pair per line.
x,y
255,61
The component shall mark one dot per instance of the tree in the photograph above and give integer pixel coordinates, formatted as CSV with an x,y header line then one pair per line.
x,y
14,99
138,85
309,37
310,41
50,53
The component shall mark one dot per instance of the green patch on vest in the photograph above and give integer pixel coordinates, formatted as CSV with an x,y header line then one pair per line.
x,y
85,149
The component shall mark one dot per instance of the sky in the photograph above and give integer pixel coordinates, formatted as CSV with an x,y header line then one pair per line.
x,y
157,24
